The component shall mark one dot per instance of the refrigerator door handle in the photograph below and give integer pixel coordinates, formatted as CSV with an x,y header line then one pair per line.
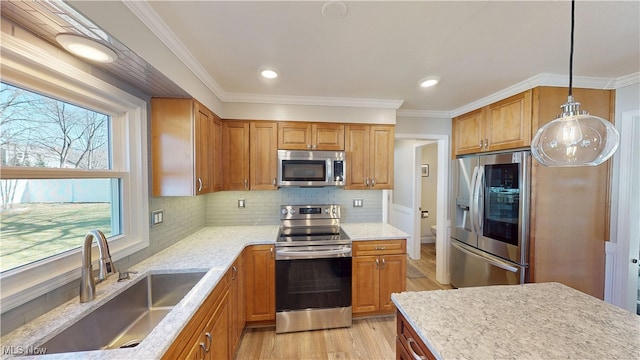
x,y
492,261
473,209
480,202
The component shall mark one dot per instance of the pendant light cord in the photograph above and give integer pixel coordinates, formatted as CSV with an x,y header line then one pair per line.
x,y
573,11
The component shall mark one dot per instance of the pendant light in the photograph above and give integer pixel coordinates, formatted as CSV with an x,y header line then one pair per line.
x,y
575,138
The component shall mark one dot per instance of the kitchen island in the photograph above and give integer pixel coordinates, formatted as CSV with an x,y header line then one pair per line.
x,y
212,249
531,321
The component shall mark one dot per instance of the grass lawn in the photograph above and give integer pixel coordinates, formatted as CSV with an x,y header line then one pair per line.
x,y
30,232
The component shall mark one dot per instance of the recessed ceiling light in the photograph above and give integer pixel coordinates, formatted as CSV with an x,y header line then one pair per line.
x,y
86,48
269,74
429,81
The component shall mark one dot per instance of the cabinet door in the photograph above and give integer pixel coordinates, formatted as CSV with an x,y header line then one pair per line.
x,y
327,136
365,284
217,154
218,332
260,283
509,123
294,136
203,147
381,157
236,303
264,155
172,147
393,278
235,148
468,133
357,156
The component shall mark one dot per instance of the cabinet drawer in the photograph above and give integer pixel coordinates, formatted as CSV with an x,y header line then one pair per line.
x,y
379,247
410,342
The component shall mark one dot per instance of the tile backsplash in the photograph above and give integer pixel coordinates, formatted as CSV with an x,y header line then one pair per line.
x,y
263,207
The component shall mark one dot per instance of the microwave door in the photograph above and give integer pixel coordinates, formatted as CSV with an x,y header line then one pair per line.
x,y
466,169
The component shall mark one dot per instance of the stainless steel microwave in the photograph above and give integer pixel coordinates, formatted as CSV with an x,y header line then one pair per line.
x,y
311,168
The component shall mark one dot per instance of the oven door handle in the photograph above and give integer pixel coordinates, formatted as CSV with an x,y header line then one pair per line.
x,y
306,254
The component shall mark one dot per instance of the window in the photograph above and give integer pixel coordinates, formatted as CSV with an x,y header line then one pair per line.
x,y
73,157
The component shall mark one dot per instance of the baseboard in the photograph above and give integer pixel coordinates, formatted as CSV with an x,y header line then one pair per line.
x,y
428,240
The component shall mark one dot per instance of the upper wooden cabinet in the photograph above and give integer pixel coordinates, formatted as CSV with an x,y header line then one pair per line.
x,y
310,136
182,139
369,151
263,165
249,155
503,125
217,154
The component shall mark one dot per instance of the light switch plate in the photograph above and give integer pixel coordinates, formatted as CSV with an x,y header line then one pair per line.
x,y
157,217
241,203
357,202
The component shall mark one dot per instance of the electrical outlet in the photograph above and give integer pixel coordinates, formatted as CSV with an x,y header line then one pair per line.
x,y
357,202
157,217
241,203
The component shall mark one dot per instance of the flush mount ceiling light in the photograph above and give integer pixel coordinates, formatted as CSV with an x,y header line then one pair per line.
x,y
429,81
86,48
269,74
575,138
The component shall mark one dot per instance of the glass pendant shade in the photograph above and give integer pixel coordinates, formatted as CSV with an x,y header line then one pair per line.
x,y
575,138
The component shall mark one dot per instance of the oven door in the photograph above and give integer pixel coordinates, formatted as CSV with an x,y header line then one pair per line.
x,y
313,283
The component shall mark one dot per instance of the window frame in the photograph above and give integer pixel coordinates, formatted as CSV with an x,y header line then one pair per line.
x,y
53,73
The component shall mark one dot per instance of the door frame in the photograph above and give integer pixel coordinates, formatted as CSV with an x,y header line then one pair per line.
x,y
443,200
621,278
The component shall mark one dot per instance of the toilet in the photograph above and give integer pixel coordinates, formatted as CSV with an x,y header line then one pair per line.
x,y
433,230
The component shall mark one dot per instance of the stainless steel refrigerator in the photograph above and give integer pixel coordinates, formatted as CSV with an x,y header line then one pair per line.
x,y
490,233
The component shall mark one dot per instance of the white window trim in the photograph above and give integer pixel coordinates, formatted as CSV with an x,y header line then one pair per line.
x,y
25,63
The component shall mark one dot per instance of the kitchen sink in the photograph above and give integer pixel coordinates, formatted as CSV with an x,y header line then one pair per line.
x,y
128,318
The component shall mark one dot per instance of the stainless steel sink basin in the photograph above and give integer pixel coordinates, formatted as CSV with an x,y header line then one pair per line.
x,y
127,319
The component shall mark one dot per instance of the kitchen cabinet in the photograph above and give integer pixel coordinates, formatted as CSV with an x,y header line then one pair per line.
x,y
260,283
570,248
310,136
408,345
263,164
217,155
379,269
503,125
369,155
250,155
206,336
235,155
181,143
237,303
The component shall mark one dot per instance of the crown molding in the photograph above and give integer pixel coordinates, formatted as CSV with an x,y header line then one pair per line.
x,y
424,114
158,27
314,100
627,80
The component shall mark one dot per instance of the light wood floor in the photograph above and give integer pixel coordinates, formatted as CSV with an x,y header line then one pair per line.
x,y
370,338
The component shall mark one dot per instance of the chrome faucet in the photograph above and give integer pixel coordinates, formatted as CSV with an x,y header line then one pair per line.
x,y
87,281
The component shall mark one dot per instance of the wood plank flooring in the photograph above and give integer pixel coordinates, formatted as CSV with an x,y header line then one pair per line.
x,y
369,338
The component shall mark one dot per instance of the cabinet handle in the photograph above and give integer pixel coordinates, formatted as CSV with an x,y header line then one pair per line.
x,y
414,355
271,251
480,144
308,146
381,247
377,263
246,184
234,272
486,143
203,350
199,184
315,146
383,264
208,347
373,182
274,181
366,181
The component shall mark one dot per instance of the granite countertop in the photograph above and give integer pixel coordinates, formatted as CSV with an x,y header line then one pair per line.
x,y
212,249
531,321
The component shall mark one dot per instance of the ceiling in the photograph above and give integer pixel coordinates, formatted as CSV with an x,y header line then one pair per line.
x,y
379,50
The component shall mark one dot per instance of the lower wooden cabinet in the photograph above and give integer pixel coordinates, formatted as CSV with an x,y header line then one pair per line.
x,y
408,345
237,296
206,336
260,284
379,269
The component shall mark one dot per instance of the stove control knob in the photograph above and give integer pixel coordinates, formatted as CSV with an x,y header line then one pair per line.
x,y
326,211
292,211
284,212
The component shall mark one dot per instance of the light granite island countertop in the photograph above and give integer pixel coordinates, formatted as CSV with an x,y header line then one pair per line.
x,y
530,321
212,249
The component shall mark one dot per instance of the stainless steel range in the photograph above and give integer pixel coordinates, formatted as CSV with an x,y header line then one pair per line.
x,y
313,269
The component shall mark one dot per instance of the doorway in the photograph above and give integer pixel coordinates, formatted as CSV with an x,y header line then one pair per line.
x,y
405,203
